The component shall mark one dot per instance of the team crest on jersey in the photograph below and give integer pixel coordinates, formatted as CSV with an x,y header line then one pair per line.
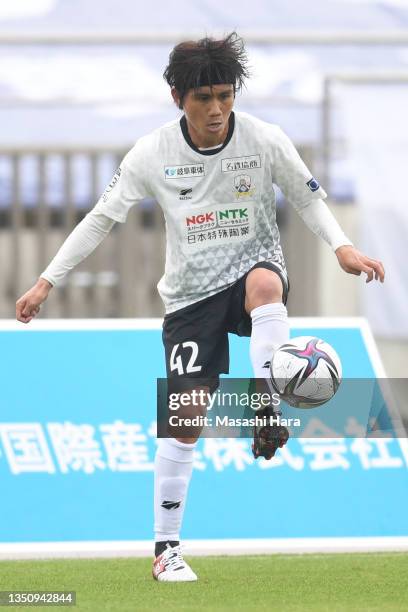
x,y
184,171
112,184
242,184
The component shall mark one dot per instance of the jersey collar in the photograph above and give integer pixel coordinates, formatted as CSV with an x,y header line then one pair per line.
x,y
184,129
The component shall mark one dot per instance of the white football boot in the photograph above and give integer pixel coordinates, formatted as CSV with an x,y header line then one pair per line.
x,y
171,567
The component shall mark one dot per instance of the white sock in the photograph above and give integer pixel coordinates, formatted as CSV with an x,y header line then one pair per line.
x,y
172,474
270,329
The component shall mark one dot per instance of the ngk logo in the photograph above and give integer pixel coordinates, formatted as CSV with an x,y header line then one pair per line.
x,y
198,219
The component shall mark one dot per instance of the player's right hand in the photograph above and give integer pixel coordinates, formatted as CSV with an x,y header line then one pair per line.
x,y
268,438
28,306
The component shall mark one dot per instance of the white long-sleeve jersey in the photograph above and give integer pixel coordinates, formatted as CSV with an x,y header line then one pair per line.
x,y
219,205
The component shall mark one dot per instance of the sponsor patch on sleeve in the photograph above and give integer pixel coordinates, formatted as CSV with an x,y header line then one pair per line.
x,y
313,184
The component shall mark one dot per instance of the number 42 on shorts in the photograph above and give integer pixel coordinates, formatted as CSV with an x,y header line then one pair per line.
x,y
176,362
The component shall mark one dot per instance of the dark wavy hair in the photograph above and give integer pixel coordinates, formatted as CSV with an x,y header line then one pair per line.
x,y
207,62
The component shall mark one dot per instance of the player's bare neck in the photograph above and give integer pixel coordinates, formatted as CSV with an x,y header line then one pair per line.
x,y
202,141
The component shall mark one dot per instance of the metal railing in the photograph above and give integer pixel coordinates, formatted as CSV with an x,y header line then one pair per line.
x,y
118,279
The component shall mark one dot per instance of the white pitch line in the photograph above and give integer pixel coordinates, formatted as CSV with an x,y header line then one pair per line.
x,y
144,548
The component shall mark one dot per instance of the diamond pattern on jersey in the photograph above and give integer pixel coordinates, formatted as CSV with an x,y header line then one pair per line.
x,y
239,180
213,269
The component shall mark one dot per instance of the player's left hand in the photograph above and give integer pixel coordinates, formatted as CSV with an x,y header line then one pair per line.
x,y
354,262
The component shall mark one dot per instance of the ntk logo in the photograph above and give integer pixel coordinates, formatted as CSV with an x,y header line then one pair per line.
x,y
186,194
233,214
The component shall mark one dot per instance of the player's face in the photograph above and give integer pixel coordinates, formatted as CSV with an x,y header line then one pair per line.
x,y
207,110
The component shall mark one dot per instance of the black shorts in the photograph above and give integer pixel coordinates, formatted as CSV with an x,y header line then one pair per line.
x,y
195,338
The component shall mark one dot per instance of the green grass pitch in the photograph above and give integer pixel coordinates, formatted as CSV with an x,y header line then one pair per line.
x,y
335,583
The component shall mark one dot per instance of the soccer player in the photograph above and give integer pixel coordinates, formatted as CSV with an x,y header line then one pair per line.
x,y
212,173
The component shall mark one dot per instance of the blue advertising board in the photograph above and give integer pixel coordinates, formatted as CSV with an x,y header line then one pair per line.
x,y
77,444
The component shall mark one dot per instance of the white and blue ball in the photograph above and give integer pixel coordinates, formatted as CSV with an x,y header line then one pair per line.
x,y
306,372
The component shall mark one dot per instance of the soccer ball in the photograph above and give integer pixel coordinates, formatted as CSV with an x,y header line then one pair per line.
x,y
306,372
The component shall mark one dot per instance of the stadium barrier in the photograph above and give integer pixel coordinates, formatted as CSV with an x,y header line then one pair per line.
x,y
77,443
